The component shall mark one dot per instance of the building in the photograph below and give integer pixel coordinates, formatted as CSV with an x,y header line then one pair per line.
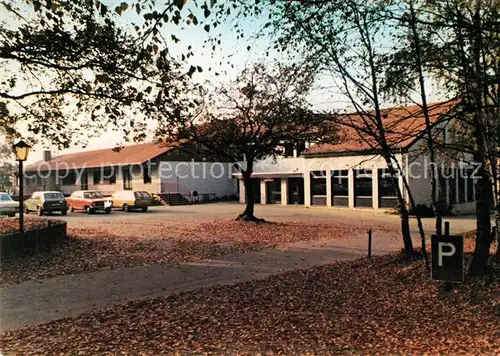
x,y
352,174
154,168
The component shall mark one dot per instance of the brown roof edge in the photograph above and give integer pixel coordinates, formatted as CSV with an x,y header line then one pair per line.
x,y
127,155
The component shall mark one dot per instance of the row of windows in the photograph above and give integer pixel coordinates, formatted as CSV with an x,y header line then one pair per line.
x,y
457,181
106,176
362,183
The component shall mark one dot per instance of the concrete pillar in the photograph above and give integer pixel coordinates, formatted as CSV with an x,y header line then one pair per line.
x,y
375,186
351,188
329,192
307,188
242,191
284,191
263,193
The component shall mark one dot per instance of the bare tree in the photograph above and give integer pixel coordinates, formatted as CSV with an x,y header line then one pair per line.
x,y
252,118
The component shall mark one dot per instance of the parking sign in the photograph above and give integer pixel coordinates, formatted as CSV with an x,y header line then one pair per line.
x,y
447,258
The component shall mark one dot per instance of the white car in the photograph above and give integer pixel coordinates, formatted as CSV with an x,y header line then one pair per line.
x,y
7,205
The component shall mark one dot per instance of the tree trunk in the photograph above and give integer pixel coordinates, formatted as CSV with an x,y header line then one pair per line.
x,y
483,205
403,210
419,219
484,192
248,213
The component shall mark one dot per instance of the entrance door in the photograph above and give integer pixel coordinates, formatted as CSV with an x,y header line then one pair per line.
x,y
273,191
295,191
256,190
127,178
84,183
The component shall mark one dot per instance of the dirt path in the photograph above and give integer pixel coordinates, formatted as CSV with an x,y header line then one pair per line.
x,y
38,302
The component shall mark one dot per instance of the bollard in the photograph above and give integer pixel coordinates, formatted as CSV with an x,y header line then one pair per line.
x,y
439,225
447,228
370,244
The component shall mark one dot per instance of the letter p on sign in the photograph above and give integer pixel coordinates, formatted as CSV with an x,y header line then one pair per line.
x,y
451,251
447,258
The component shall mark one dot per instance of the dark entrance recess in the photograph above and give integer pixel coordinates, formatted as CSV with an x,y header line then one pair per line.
x,y
318,187
340,188
256,190
84,183
387,194
363,190
273,191
295,191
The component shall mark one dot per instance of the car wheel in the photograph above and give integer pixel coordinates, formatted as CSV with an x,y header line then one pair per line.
x,y
26,210
64,212
107,210
89,210
39,211
70,208
126,207
144,208
11,215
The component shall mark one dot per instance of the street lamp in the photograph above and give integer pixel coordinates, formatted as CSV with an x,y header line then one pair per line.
x,y
21,150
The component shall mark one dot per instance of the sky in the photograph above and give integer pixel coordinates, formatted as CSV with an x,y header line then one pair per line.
x,y
233,50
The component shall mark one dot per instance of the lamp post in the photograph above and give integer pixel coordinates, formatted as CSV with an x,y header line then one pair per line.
x,y
21,150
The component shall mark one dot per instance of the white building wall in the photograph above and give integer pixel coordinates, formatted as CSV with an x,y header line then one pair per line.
x,y
276,165
204,177
419,175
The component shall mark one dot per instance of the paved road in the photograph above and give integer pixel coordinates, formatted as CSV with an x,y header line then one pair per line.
x,y
36,302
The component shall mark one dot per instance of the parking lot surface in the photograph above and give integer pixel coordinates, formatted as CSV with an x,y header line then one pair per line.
x,y
227,211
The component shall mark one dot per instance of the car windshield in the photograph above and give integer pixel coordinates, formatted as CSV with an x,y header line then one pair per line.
x,y
5,197
54,196
92,195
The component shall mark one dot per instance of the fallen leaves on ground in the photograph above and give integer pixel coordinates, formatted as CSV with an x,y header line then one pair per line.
x,y
384,306
11,225
130,244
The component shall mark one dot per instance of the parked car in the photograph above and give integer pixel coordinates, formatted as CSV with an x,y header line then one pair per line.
x,y
128,200
8,206
46,202
90,201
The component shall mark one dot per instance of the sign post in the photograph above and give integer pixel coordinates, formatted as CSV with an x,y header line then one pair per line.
x,y
447,258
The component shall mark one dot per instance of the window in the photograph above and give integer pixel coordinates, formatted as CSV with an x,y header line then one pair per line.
x,y
109,176
33,180
5,197
50,196
470,186
301,147
364,183
441,188
386,188
452,186
92,195
69,179
288,148
340,183
97,177
146,175
462,181
318,183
